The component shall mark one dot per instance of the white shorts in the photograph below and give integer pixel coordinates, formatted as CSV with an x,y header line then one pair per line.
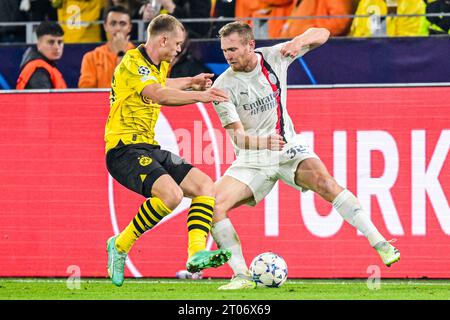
x,y
261,179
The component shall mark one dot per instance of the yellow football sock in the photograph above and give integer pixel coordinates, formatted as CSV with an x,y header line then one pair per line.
x,y
150,213
199,222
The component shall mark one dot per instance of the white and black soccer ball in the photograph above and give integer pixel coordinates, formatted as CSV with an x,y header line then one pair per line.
x,y
269,269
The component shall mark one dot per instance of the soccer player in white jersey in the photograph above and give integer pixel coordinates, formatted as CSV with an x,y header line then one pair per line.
x,y
266,144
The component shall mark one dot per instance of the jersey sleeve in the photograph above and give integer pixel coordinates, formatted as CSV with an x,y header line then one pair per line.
x,y
275,54
225,110
139,75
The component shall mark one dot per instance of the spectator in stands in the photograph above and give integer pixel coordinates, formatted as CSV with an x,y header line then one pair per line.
x,y
267,9
185,9
78,17
10,12
150,9
185,64
438,25
246,9
336,26
97,66
133,6
39,10
220,9
223,8
390,26
37,69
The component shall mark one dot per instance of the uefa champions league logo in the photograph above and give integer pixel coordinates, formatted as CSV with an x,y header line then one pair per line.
x,y
143,70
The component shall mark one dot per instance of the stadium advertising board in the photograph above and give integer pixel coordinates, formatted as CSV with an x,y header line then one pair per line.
x,y
390,146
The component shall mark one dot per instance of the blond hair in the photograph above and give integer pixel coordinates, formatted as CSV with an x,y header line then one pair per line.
x,y
163,23
241,28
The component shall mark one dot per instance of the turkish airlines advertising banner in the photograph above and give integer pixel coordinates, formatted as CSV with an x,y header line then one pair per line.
x,y
389,146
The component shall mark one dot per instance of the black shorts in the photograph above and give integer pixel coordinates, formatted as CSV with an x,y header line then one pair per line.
x,y
137,166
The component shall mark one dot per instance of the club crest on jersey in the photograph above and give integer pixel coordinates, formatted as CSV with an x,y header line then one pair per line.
x,y
273,78
144,160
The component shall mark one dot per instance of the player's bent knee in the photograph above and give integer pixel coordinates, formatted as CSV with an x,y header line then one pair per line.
x,y
206,190
205,187
172,197
326,186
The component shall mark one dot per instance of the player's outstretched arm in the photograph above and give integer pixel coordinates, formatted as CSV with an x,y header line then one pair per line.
x,y
200,82
313,37
168,96
236,130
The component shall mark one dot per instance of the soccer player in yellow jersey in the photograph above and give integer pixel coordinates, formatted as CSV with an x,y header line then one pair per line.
x,y
134,158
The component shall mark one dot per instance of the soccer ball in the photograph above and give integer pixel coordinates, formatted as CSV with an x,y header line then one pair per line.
x,y
269,269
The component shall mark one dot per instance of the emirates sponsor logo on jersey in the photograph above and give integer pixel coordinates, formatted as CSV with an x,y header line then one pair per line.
x,y
266,103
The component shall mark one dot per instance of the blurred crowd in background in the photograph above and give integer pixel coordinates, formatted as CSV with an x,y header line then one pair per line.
x,y
80,19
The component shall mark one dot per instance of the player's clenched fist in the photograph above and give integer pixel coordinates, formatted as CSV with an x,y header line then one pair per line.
x,y
275,142
290,49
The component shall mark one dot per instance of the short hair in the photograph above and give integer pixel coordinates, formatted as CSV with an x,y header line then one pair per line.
x,y
118,9
163,23
49,28
243,29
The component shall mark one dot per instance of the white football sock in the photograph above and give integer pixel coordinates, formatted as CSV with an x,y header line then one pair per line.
x,y
226,238
350,209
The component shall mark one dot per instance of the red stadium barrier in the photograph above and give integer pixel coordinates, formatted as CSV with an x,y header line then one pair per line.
x,y
390,146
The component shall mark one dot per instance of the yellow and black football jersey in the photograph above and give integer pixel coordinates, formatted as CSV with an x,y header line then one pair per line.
x,y
78,17
132,117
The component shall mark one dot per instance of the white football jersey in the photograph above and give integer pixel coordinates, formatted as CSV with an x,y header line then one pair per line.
x,y
258,100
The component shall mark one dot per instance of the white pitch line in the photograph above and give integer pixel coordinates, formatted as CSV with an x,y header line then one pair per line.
x,y
303,282
130,281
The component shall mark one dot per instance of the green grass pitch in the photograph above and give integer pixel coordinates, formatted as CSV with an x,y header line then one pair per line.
x,y
206,289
